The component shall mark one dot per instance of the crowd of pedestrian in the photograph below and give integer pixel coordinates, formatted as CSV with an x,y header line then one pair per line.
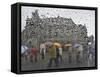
x,y
55,53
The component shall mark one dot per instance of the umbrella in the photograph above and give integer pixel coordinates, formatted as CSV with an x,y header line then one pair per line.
x,y
23,49
68,45
76,45
57,44
48,43
42,45
79,47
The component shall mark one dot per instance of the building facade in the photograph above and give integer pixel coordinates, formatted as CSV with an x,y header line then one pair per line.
x,y
38,30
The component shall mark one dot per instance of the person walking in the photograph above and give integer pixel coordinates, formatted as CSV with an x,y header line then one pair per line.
x,y
24,52
70,54
52,56
57,54
79,56
60,54
33,54
42,50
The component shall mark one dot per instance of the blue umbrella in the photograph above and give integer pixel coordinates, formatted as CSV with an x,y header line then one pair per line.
x,y
79,46
76,45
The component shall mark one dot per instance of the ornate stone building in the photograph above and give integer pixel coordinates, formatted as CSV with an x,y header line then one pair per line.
x,y
62,29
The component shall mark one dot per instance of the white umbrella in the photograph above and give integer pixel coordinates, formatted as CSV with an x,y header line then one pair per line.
x,y
48,43
23,49
42,45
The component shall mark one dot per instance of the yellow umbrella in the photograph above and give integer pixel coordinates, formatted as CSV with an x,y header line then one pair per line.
x,y
68,45
57,44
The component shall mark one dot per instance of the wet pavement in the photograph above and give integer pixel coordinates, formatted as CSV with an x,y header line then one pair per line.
x,y
43,64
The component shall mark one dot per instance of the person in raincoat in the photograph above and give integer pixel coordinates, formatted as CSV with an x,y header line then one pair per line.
x,y
52,56
33,54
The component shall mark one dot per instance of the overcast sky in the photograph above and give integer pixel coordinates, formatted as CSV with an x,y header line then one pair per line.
x,y
86,17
